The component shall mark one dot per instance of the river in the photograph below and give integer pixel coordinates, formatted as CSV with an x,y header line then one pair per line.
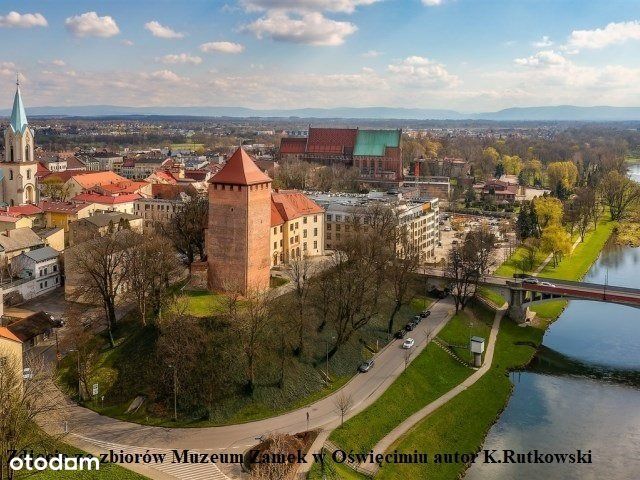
x,y
554,413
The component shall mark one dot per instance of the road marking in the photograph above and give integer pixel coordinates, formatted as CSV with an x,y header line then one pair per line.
x,y
186,471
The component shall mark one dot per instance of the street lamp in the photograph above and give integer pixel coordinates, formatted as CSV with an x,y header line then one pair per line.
x,y
175,393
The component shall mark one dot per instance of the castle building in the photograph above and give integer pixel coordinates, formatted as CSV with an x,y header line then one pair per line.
x,y
18,168
238,233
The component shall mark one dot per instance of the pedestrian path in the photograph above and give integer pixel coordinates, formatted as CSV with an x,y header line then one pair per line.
x,y
386,442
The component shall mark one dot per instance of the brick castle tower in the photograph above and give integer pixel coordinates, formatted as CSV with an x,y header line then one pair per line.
x,y
239,226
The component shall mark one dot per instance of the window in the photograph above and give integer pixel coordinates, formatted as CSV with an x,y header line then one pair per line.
x,y
315,218
304,246
338,218
315,244
328,217
28,173
315,232
338,227
304,220
11,171
304,234
337,236
275,244
328,226
11,154
328,236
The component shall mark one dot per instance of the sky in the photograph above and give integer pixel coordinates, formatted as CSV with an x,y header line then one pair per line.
x,y
465,55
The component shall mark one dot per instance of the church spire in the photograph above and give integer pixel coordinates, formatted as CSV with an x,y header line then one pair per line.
x,y
18,115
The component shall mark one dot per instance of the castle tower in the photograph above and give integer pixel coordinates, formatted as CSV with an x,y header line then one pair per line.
x,y
239,226
18,167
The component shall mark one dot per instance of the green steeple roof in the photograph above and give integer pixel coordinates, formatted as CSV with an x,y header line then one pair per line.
x,y
18,115
373,143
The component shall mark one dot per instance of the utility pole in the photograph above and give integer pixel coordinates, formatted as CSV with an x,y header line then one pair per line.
x,y
175,393
606,282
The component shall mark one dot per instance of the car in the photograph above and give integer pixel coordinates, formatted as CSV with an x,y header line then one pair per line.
x,y
417,319
408,343
365,366
447,229
400,333
546,284
531,280
425,313
409,326
27,374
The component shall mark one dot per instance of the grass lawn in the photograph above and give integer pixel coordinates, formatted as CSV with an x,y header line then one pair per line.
x,y
489,294
462,423
430,375
202,303
108,471
463,326
513,263
333,471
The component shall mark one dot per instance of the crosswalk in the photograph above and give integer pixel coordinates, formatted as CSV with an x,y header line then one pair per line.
x,y
182,471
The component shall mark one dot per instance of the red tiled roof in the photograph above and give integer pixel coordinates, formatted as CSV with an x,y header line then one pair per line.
x,y
4,217
197,175
127,186
240,169
293,145
171,192
106,199
276,218
6,333
338,141
41,170
293,204
62,207
89,180
24,210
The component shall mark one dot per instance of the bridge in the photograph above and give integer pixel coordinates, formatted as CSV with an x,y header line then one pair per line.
x,y
522,295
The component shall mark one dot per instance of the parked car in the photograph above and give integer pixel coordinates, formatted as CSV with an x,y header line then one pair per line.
x,y
417,319
531,280
425,313
400,333
27,374
409,326
546,284
447,229
365,366
408,343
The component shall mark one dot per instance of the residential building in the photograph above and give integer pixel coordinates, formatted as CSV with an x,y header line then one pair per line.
x,y
15,242
41,266
114,203
78,183
238,234
297,227
11,222
102,223
502,192
19,167
10,351
439,187
419,219
141,167
104,161
162,201
61,214
31,329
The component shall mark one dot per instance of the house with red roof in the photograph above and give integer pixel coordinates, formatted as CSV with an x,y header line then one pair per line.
x,y
10,349
123,203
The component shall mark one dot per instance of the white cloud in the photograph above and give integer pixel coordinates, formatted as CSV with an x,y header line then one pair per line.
x,y
542,58
7,69
544,42
422,71
167,75
161,31
342,6
432,3
307,28
181,58
24,20
58,63
222,47
89,24
612,34
368,70
127,43
371,54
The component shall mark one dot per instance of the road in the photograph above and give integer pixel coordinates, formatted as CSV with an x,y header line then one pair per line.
x,y
94,432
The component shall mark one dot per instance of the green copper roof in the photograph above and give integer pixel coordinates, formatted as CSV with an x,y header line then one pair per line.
x,y
18,115
374,142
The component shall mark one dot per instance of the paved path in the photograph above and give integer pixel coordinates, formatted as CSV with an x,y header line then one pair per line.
x,y
386,442
89,428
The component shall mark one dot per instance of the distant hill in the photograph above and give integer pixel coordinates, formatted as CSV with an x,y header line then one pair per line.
x,y
554,113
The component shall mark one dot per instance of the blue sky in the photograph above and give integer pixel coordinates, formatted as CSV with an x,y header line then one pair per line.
x,y
469,55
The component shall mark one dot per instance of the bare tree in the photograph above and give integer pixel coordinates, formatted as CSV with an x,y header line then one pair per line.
x,y
97,270
186,229
619,193
402,267
343,404
22,403
300,272
277,444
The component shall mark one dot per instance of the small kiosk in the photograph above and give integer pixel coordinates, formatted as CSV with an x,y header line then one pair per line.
x,y
477,349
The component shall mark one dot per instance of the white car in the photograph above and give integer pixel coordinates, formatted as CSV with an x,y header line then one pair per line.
x,y
27,374
408,343
531,280
546,284
447,229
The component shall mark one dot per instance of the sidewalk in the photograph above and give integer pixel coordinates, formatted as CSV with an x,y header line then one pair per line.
x,y
386,442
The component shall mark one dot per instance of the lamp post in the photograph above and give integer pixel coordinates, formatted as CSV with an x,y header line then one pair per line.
x,y
175,393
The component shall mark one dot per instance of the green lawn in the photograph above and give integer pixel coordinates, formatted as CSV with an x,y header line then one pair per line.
x,y
430,375
513,263
492,296
202,303
463,326
333,471
461,424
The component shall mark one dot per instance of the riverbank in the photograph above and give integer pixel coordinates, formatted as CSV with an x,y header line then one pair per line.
x,y
462,424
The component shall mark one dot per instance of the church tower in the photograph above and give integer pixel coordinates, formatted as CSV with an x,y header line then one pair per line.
x,y
239,226
18,168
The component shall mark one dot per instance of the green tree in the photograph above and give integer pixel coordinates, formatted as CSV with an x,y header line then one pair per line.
x,y
555,240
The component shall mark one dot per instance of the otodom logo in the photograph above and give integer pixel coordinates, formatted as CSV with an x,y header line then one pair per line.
x,y
56,462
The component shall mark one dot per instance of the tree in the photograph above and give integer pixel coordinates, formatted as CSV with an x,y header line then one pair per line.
x,y
532,172
99,271
500,170
22,402
186,229
556,241
402,266
252,323
619,193
299,272
549,211
343,404
411,150
150,268
526,223
584,204
469,196
55,189
562,176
